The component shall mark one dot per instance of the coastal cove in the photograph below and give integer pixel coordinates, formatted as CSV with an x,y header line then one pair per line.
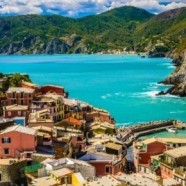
x,y
125,85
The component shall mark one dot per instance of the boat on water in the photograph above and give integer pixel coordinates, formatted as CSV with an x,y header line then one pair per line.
x,y
174,130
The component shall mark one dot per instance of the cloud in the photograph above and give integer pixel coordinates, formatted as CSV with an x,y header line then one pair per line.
x,y
76,8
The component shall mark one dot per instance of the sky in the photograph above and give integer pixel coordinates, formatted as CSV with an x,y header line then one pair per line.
x,y
79,8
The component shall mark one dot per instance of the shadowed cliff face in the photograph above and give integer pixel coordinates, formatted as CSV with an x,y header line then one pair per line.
x,y
178,77
34,45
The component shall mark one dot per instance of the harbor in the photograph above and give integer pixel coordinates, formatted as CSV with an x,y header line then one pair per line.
x,y
128,134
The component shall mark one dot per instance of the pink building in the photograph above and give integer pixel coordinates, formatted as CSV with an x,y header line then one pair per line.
x,y
17,142
20,96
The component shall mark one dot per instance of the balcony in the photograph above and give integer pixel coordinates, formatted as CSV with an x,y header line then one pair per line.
x,y
180,172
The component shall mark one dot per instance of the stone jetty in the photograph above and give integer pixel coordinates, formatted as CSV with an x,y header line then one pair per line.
x,y
128,134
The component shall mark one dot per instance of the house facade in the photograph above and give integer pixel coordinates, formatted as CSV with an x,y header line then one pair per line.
x,y
52,102
12,111
20,96
104,164
17,141
109,158
172,161
144,150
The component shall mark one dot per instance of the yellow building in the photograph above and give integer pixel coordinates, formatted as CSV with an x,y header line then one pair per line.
x,y
77,179
62,176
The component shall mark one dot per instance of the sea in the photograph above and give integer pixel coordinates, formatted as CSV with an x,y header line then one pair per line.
x,y
124,85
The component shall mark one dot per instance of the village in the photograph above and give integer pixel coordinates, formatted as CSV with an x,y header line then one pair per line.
x,y
50,139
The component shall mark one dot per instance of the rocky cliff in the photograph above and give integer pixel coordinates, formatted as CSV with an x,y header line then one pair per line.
x,y
178,77
36,45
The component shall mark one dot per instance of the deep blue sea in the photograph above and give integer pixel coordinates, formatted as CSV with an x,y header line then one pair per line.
x,y
125,85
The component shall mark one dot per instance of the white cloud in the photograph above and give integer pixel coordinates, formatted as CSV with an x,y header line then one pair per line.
x,y
78,7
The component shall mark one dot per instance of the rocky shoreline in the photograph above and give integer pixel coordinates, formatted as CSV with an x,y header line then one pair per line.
x,y
178,77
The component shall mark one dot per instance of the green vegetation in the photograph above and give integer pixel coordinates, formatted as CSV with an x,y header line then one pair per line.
x,y
122,28
12,80
57,34
163,33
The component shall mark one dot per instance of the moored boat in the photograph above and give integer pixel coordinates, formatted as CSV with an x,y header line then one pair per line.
x,y
174,130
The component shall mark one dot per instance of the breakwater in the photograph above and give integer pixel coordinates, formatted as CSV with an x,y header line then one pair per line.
x,y
129,134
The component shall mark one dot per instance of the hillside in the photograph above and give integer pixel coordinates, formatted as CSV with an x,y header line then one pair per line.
x,y
163,33
57,34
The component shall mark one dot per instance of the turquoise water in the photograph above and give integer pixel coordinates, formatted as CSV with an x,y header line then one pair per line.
x,y
179,134
125,85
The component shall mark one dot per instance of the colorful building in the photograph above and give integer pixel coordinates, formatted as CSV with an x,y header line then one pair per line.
x,y
75,108
143,150
107,159
51,102
12,111
26,84
172,162
20,96
53,89
62,176
40,118
17,142
99,115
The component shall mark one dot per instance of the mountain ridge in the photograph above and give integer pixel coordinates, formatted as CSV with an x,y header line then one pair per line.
x,y
93,32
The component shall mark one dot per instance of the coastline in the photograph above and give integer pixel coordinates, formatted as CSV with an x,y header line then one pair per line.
x,y
178,77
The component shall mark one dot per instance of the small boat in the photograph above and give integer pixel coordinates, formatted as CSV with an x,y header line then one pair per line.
x,y
174,130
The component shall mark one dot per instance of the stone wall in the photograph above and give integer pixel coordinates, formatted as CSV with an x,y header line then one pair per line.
x,y
86,171
13,173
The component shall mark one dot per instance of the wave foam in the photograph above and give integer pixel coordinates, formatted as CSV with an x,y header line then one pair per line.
x,y
117,94
152,94
177,112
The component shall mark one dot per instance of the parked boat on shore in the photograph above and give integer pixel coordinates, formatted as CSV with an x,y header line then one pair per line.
x,y
173,130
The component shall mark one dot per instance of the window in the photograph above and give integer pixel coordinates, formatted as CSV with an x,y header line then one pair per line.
x,y
28,155
6,140
9,113
6,151
107,169
19,113
22,94
13,94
